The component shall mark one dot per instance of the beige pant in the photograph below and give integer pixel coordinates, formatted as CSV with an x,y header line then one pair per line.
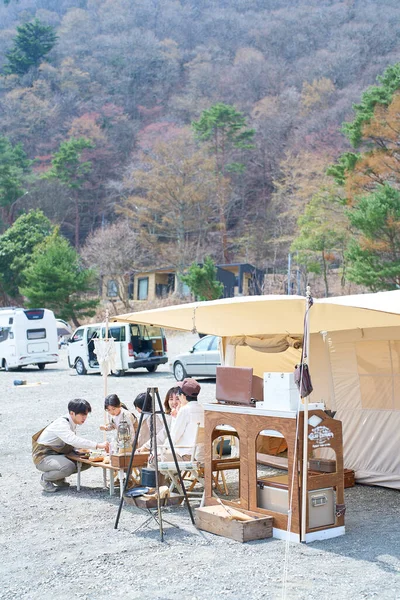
x,y
58,466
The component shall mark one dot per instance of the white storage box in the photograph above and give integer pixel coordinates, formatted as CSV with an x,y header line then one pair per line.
x,y
280,392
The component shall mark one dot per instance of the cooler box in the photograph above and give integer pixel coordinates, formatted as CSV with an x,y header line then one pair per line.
x,y
280,392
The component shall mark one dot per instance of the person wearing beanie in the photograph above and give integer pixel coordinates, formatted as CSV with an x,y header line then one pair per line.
x,y
184,426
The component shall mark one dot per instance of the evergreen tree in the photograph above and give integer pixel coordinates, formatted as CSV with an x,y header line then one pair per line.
x,y
33,41
17,245
225,129
14,168
374,258
72,171
56,279
202,280
323,234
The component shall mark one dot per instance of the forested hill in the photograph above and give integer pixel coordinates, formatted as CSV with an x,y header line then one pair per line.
x,y
126,75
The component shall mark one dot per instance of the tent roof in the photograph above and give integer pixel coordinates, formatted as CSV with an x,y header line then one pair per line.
x,y
257,315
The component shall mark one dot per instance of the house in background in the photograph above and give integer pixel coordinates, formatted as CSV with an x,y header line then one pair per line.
x,y
240,279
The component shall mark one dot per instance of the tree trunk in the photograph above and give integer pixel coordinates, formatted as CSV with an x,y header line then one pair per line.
x,y
325,275
77,222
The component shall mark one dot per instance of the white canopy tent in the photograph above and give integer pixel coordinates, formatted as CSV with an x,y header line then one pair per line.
x,y
354,360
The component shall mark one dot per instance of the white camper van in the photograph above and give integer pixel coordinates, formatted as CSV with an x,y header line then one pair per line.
x,y
27,337
136,346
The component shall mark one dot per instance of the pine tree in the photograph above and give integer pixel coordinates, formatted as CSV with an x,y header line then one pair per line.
x,y
32,43
17,245
225,129
56,279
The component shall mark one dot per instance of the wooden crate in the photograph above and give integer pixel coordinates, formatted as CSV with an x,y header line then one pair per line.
x,y
325,465
349,480
348,477
142,502
215,519
122,460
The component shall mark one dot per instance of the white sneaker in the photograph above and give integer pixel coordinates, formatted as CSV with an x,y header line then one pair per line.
x,y
61,483
48,486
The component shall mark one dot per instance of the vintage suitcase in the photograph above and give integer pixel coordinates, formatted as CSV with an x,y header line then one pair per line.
x,y
238,385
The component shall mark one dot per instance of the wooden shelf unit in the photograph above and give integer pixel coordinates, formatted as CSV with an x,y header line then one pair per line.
x,y
248,423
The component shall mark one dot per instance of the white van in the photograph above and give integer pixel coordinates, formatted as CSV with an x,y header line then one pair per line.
x,y
137,346
27,337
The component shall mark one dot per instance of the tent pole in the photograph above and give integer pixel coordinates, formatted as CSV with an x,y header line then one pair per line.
x,y
305,427
105,375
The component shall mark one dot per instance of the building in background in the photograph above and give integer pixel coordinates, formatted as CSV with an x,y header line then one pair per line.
x,y
238,279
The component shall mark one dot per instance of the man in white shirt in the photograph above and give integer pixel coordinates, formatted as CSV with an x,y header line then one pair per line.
x,y
51,444
190,416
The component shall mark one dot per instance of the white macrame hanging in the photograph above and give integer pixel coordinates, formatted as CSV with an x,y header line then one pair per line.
x,y
106,353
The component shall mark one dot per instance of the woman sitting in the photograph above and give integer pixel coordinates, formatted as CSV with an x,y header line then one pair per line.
x,y
189,418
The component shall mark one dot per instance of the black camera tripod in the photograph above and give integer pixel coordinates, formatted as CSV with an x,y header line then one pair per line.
x,y
153,393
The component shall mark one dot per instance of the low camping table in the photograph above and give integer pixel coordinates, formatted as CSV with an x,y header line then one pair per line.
x,y
139,461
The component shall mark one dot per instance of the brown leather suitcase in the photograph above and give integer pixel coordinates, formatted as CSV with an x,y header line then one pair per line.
x,y
238,385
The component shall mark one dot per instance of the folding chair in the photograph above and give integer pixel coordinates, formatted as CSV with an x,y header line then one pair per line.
x,y
218,447
193,466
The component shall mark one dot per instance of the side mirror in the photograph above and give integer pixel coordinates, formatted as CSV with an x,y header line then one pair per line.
x,y
69,340
191,350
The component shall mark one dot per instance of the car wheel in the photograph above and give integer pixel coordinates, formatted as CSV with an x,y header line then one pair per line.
x,y
179,371
118,373
152,368
5,365
80,367
41,366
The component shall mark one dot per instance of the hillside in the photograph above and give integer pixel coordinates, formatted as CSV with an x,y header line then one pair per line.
x,y
128,75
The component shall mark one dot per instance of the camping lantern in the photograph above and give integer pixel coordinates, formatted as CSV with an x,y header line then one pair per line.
x,y
123,436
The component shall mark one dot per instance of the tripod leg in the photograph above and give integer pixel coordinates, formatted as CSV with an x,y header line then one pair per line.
x,y
135,441
175,459
153,416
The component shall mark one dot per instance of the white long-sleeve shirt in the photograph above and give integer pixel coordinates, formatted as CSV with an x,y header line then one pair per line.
x,y
184,428
62,431
125,415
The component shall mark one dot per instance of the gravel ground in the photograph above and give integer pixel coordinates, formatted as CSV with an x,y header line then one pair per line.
x,y
62,546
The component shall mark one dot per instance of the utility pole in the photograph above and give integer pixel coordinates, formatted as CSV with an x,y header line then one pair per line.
x,y
289,268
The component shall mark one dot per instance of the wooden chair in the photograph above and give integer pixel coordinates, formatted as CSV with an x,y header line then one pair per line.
x,y
192,467
220,464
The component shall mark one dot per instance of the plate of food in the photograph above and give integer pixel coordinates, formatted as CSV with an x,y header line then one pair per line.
x,y
96,457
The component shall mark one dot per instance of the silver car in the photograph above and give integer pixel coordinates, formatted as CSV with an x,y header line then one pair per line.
x,y
202,359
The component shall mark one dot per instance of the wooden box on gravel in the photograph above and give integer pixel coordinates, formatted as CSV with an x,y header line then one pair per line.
x,y
122,460
349,478
240,525
146,502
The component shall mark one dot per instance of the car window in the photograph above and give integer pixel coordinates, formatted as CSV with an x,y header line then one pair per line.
x,y
93,333
78,336
202,345
214,344
118,333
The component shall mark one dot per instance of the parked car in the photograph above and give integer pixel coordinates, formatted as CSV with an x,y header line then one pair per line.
x,y
202,359
136,346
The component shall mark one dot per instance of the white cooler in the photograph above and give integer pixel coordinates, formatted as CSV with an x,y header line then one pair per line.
x,y
280,392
